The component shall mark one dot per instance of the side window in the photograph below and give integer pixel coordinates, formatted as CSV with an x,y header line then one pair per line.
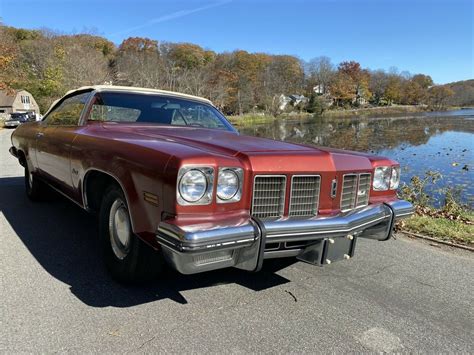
x,y
198,116
113,113
69,111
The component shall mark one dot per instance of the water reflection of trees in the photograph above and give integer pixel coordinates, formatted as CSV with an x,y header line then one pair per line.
x,y
360,134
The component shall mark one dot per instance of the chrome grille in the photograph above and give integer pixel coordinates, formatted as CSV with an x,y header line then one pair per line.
x,y
363,190
355,191
269,196
349,192
304,198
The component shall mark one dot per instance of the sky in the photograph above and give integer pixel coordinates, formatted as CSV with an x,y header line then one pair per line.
x,y
434,37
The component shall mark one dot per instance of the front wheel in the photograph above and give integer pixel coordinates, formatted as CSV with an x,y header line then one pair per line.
x,y
32,185
127,258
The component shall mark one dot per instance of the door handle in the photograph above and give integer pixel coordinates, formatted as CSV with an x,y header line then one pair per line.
x,y
39,134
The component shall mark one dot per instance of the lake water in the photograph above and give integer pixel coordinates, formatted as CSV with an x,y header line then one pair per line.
x,y
437,141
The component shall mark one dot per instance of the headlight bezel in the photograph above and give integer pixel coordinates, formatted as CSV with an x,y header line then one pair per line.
x,y
238,194
385,181
396,184
206,198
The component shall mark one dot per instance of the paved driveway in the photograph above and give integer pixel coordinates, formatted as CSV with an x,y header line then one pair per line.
x,y
55,296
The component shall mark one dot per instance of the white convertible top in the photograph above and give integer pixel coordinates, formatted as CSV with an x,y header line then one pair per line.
x,y
132,89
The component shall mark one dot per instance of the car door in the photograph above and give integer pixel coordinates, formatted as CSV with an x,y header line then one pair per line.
x,y
54,140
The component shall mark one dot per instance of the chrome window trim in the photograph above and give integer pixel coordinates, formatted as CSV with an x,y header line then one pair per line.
x,y
284,194
166,94
317,200
58,103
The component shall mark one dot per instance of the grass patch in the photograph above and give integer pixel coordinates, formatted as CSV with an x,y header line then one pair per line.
x,y
375,111
456,231
251,119
454,221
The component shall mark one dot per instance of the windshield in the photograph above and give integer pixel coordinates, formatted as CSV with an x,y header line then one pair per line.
x,y
159,109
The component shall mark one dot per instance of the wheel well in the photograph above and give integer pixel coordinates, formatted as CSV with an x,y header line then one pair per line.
x,y
95,184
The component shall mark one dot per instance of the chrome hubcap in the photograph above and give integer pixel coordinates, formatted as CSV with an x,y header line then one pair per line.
x,y
119,229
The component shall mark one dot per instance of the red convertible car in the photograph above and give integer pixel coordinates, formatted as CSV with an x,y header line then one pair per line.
x,y
172,181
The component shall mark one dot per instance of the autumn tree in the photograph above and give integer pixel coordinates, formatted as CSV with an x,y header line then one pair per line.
x,y
378,84
351,83
138,63
342,89
138,44
8,54
283,75
439,96
320,71
393,90
53,64
412,93
424,81
189,56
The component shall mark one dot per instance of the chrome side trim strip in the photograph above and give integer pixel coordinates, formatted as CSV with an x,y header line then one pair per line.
x,y
62,193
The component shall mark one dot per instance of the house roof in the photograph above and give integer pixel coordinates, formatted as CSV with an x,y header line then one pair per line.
x,y
5,99
140,90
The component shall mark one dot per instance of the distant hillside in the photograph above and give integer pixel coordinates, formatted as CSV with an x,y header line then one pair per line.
x,y
463,93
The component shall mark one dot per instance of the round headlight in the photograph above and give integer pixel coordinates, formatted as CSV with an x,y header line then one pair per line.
x,y
382,178
227,184
193,185
395,179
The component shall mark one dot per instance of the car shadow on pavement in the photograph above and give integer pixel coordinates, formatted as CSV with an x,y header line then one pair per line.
x,y
63,239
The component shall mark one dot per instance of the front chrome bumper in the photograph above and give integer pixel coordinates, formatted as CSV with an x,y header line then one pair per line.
x,y
197,248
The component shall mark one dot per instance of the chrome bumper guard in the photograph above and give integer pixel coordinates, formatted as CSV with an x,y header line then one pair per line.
x,y
197,248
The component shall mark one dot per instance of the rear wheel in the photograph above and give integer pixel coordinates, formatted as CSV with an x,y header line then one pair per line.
x,y
32,185
127,258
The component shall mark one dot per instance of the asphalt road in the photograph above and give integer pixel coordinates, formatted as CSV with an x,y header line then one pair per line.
x,y
55,296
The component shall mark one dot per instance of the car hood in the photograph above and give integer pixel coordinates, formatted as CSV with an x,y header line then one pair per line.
x,y
218,141
262,153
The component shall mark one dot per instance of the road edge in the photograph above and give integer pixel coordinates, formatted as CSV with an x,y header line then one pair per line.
x,y
439,241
